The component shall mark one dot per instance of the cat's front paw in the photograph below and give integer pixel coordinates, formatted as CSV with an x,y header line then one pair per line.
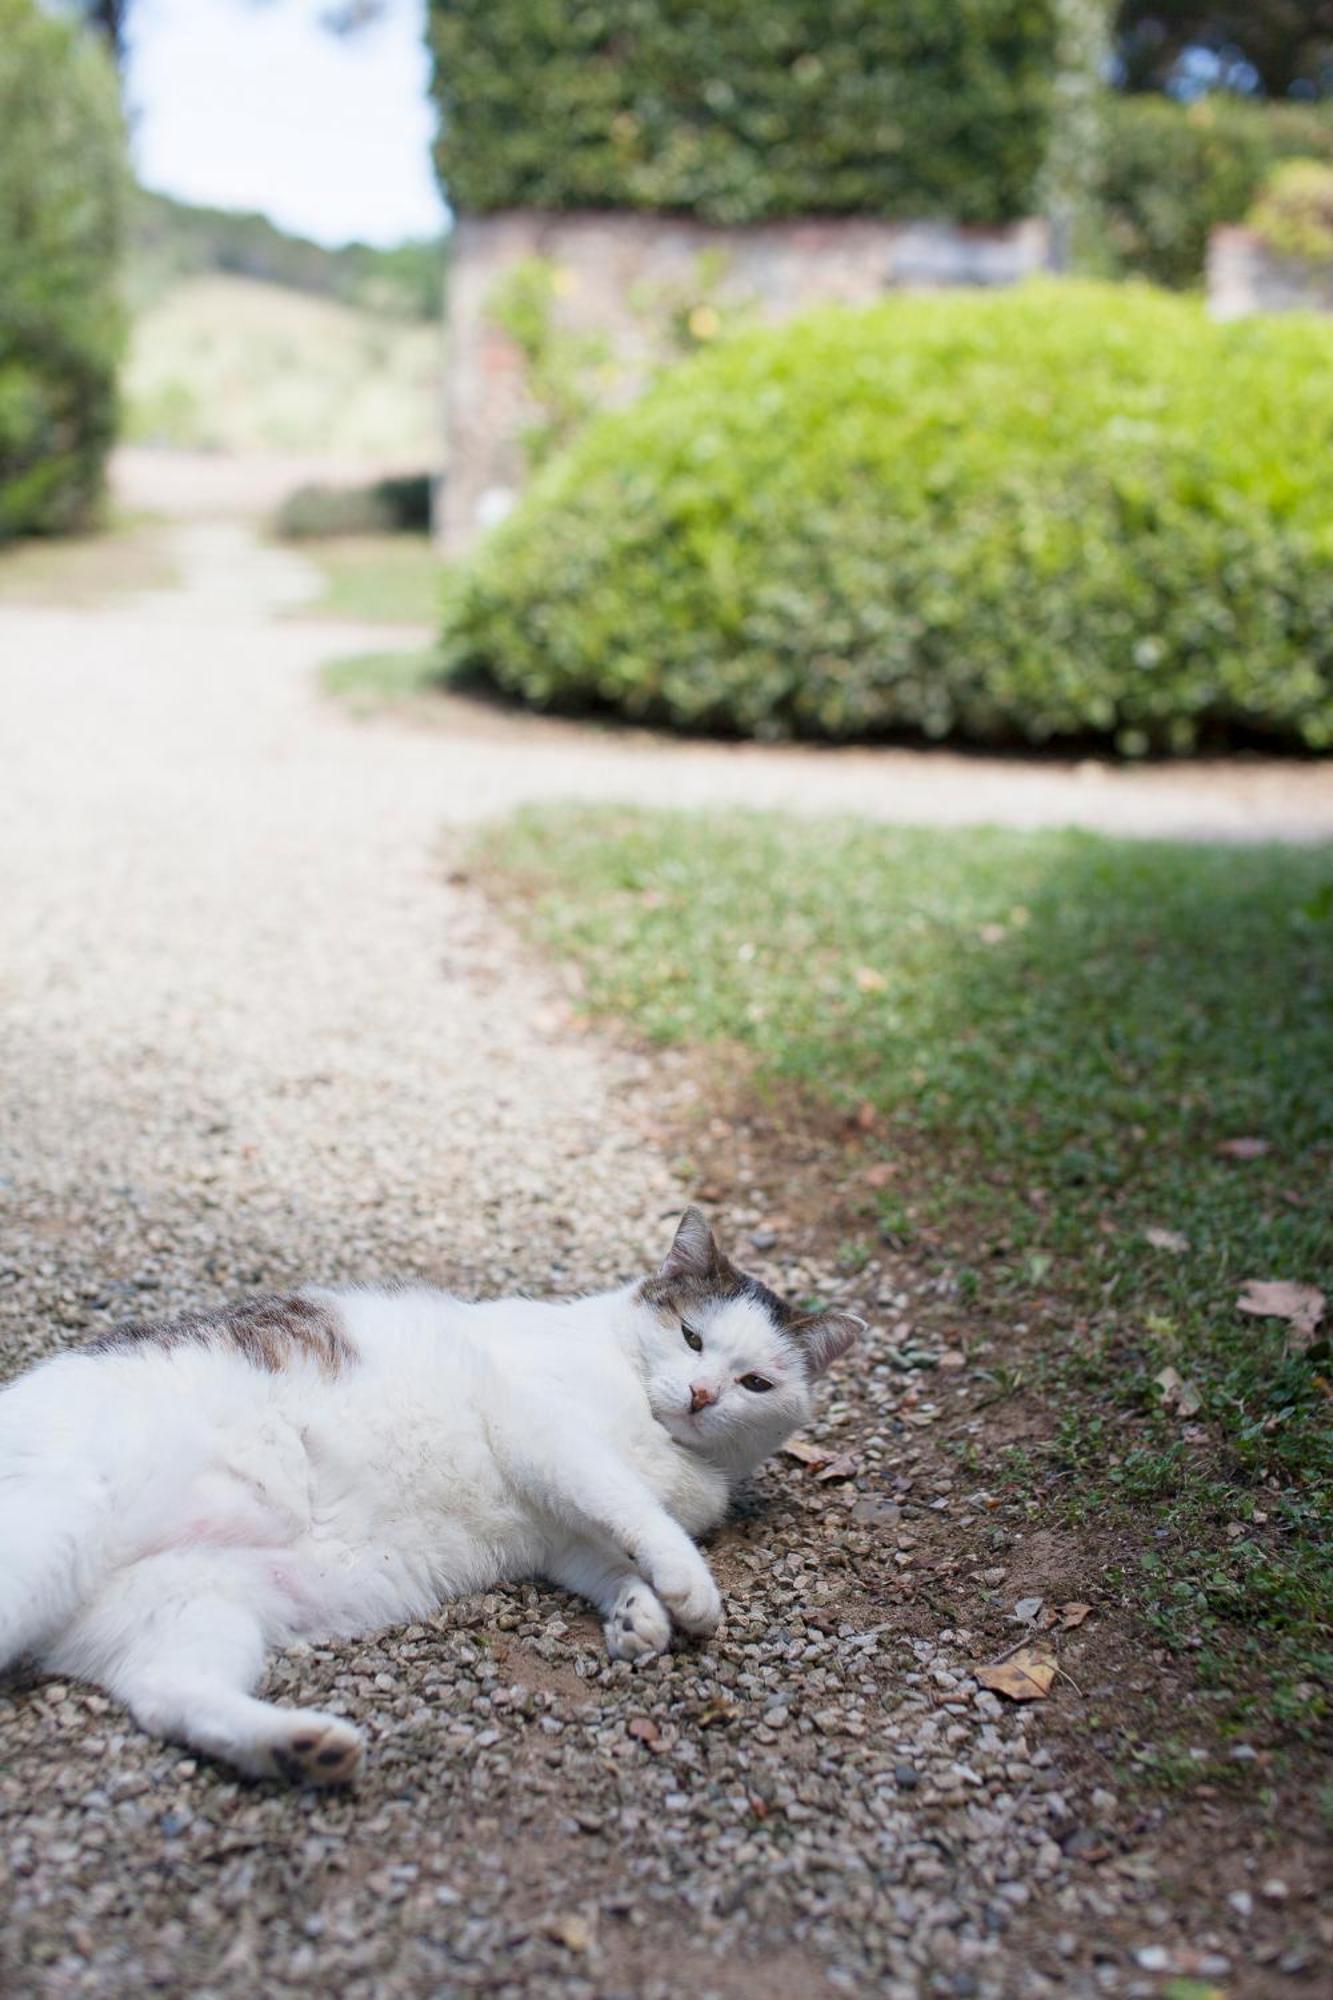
x,y
691,1596
639,1625
316,1749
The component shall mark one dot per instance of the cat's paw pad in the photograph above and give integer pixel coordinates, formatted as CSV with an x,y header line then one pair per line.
x,y
692,1598
319,1750
639,1625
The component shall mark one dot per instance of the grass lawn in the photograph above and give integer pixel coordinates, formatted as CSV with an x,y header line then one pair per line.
x,y
1056,1043
82,571
369,681
376,579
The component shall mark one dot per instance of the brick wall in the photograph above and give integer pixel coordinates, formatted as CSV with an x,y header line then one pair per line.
x,y
1245,276
626,277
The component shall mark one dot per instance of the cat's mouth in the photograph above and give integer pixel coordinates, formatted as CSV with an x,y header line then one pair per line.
x,y
684,1424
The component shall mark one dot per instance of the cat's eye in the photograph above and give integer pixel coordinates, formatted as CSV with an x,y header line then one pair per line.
x,y
758,1383
692,1339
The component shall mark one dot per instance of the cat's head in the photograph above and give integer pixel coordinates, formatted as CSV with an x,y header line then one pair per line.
x,y
730,1364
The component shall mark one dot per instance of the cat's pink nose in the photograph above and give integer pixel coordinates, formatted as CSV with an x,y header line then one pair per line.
x,y
700,1398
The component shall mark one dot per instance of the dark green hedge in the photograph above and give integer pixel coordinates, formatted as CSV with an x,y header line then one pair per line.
x,y
1059,513
921,107
1171,172
62,188
398,505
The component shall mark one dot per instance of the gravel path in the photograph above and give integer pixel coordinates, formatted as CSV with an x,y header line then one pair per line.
x,y
495,761
252,1034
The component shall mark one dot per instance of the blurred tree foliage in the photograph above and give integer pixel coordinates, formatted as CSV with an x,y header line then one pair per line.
x,y
171,240
1287,43
63,182
109,18
735,113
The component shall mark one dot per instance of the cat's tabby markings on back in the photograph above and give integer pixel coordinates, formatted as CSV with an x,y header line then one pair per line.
x,y
270,1331
178,1499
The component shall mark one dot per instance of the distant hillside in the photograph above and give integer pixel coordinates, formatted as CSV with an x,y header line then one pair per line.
x,y
172,241
231,364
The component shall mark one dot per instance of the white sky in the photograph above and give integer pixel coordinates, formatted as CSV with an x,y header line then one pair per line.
x,y
250,104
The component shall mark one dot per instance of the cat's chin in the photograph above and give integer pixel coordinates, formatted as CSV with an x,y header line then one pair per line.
x,y
684,1429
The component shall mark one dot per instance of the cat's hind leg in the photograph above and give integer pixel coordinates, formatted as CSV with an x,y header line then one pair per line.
x,y
637,1623
176,1640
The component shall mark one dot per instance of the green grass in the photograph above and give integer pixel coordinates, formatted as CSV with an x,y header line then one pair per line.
x,y
376,579
1057,1032
367,681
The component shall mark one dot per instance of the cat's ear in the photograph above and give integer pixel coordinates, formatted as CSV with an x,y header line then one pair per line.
x,y
823,1337
694,1252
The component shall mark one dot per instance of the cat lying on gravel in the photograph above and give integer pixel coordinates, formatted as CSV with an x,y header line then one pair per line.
x,y
177,1499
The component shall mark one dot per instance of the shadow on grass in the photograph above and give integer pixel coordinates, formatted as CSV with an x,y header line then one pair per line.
x,y
1064,1036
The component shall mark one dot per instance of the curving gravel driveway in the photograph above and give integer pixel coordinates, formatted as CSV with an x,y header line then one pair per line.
x,y
252,1033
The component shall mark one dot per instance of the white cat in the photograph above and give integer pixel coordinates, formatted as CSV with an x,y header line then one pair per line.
x,y
177,1499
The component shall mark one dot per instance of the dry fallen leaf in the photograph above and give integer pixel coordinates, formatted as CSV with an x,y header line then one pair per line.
x,y
1025,1675
1242,1149
1073,1614
570,1930
841,1467
1302,1306
1177,1394
807,1454
1166,1239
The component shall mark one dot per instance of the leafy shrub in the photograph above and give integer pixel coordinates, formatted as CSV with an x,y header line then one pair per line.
x,y
919,108
1061,513
62,181
1294,212
1170,173
393,506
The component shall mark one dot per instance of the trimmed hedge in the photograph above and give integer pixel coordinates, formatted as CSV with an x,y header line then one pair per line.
x,y
925,107
62,187
1070,512
1171,172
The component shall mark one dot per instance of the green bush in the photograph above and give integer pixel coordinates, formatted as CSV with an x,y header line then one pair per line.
x,y
398,505
1170,173
1061,513
62,184
1294,212
919,108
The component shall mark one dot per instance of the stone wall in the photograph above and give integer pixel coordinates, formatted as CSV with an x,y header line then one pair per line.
x,y
644,287
1245,276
